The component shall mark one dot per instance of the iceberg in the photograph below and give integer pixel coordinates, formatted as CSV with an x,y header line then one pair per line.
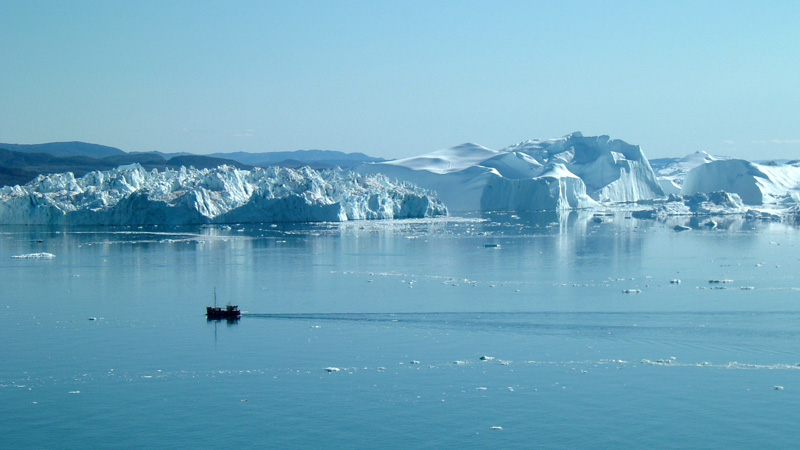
x,y
755,184
130,195
572,172
41,255
700,204
671,171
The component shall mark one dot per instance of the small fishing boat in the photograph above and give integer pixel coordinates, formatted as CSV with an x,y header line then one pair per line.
x,y
230,312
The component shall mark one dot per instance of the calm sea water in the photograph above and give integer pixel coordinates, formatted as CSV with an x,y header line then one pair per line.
x,y
405,310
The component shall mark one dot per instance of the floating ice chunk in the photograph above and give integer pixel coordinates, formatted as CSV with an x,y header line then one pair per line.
x,y
415,362
747,288
486,358
720,281
78,392
481,388
675,281
41,255
681,228
92,318
459,363
631,291
496,428
778,388
332,369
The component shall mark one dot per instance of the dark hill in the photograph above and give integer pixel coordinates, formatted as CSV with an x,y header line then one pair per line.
x,y
65,149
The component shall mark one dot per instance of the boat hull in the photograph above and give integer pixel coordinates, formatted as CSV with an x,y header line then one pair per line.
x,y
231,312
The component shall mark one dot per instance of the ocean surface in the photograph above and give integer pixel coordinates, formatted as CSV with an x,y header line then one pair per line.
x,y
494,331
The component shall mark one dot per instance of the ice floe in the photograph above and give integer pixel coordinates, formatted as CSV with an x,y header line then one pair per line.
x,y
40,255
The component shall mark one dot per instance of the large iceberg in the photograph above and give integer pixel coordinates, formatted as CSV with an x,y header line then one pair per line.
x,y
572,172
131,195
756,184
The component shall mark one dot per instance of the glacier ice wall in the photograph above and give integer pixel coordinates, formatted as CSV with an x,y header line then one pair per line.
x,y
130,195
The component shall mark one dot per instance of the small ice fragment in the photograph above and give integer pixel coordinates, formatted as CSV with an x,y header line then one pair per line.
x,y
315,326
631,291
496,428
459,363
92,318
78,392
481,388
415,362
486,358
41,255
332,369
778,388
510,389
675,281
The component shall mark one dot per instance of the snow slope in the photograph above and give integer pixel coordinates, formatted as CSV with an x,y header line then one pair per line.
x,y
130,195
756,184
566,173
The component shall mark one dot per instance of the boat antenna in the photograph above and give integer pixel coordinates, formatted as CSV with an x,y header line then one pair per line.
x,y
215,296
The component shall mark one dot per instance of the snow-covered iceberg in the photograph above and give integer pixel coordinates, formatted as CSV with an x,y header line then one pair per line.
x,y
130,195
671,171
572,172
756,184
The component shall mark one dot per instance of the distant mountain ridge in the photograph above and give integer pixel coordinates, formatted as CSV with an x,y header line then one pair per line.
x,y
64,149
320,157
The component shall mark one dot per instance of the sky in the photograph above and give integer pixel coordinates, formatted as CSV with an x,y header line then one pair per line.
x,y
397,79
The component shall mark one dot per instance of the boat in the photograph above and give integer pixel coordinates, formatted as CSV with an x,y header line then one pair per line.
x,y
230,312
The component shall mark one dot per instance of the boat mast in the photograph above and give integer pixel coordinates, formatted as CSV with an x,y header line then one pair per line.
x,y
215,296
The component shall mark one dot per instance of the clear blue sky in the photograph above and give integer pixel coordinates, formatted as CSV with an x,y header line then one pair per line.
x,y
396,79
